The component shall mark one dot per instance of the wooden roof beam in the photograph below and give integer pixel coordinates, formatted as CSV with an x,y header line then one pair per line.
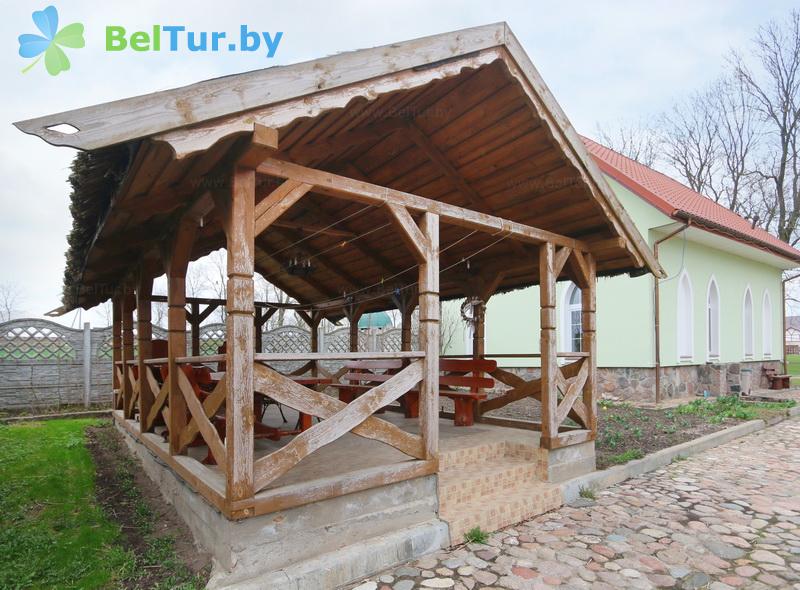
x,y
437,156
313,228
340,186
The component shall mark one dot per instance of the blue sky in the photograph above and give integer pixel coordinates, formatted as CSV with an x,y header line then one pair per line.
x,y
604,62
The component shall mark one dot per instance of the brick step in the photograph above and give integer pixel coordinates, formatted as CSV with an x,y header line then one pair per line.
x,y
465,484
472,454
500,509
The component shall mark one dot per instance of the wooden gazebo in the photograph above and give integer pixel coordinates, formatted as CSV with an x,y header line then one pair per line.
x,y
438,168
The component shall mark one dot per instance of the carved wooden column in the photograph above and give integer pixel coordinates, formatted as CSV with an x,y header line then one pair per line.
x,y
116,349
429,316
144,329
549,358
177,263
478,334
589,340
239,229
128,305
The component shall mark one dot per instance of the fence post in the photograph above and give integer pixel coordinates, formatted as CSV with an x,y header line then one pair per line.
x,y
87,364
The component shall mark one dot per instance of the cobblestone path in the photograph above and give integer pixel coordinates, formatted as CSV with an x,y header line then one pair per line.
x,y
727,518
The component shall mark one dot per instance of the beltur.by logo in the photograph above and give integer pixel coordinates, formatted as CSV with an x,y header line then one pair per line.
x,y
172,38
176,38
50,42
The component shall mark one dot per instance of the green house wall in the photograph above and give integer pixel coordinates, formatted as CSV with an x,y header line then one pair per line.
x,y
625,318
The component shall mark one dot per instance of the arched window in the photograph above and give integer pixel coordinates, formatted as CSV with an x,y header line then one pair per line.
x,y
712,320
766,324
747,323
573,330
685,319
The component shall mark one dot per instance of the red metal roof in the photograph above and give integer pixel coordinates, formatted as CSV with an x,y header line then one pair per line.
x,y
682,203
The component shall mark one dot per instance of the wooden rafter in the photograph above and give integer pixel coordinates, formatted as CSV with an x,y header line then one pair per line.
x,y
341,186
353,137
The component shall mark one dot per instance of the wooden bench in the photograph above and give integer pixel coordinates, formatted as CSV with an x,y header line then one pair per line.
x,y
775,380
455,373
465,373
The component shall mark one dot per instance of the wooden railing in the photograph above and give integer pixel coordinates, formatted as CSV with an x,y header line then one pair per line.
x,y
570,381
338,417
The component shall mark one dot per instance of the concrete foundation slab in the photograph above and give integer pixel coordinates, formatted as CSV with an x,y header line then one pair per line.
x,y
319,545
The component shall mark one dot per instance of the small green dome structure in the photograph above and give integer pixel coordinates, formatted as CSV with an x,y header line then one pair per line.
x,y
377,319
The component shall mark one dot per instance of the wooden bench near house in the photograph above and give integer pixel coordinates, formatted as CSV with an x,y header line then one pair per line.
x,y
775,380
468,375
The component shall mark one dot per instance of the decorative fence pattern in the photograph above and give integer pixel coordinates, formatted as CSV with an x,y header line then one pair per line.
x,y
44,364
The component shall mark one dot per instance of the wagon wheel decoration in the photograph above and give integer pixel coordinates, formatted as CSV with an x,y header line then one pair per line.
x,y
468,310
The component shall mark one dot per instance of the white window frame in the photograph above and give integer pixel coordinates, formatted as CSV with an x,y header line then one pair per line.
x,y
713,355
751,354
766,324
566,316
689,325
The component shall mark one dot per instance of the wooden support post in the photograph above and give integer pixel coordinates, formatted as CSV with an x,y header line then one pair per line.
x,y
116,349
177,263
589,341
406,301
478,339
353,314
258,329
195,324
128,305
239,228
429,315
406,334
549,369
313,320
262,316
144,329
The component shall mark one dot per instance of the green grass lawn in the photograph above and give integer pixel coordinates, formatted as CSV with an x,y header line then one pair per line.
x,y
52,533
793,368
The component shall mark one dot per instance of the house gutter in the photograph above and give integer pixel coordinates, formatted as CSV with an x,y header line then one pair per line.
x,y
657,309
737,235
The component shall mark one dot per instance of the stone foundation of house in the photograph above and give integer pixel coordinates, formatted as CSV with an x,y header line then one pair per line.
x,y
637,384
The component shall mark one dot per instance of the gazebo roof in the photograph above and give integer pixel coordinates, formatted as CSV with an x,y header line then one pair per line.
x,y
462,118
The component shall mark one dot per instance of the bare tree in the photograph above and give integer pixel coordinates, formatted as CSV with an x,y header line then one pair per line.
x,y
10,299
689,137
266,291
450,326
158,310
209,277
106,310
637,141
774,87
737,141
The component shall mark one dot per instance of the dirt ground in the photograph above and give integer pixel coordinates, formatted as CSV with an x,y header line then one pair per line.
x,y
131,499
624,428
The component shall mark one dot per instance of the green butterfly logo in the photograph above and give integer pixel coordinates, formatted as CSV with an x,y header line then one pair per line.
x,y
50,41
